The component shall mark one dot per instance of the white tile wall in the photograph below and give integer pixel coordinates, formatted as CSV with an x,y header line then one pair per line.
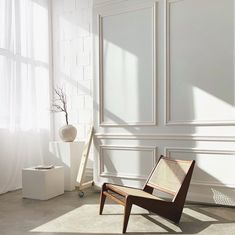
x,y
72,47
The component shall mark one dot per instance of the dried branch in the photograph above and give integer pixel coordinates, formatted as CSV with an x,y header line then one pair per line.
x,y
59,103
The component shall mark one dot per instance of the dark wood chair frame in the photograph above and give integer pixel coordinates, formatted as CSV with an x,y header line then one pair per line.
x,y
171,210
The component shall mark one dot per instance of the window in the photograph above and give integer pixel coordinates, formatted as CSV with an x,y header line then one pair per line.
x,y
24,64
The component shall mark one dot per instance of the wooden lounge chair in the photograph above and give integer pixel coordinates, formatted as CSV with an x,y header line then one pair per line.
x,y
168,176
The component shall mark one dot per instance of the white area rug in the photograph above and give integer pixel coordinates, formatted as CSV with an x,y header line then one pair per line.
x,y
85,219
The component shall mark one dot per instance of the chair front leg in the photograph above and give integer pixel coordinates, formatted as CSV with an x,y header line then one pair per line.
x,y
127,211
102,198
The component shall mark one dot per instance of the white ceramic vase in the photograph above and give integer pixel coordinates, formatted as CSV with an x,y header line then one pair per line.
x,y
68,133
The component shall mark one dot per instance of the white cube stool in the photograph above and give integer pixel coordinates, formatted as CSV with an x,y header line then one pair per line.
x,y
42,184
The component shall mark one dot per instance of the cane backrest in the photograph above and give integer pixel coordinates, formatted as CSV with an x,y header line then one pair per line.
x,y
168,175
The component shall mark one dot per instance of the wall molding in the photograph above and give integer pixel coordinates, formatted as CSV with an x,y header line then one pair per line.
x,y
105,3
167,117
152,122
151,149
212,184
178,137
117,3
169,150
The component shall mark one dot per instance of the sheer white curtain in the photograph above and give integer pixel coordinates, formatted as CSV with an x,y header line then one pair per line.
x,y
24,88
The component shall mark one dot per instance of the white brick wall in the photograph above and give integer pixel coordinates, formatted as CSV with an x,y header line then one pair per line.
x,y
72,45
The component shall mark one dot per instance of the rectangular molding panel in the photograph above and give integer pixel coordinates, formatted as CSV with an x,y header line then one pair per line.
x,y
126,67
139,160
200,62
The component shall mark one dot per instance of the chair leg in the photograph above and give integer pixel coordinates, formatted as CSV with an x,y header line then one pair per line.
x,y
177,217
127,212
102,200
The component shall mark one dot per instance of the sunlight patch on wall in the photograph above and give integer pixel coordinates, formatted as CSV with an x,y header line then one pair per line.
x,y
209,107
119,77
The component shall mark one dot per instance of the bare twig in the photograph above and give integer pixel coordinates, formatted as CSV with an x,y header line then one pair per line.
x,y
59,103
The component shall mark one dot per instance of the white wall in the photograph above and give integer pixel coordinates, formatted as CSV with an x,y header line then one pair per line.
x,y
164,84
71,20
72,57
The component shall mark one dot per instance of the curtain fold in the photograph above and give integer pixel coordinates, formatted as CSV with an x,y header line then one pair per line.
x,y
24,88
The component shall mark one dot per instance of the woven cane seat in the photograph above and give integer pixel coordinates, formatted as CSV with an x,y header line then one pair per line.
x,y
131,191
